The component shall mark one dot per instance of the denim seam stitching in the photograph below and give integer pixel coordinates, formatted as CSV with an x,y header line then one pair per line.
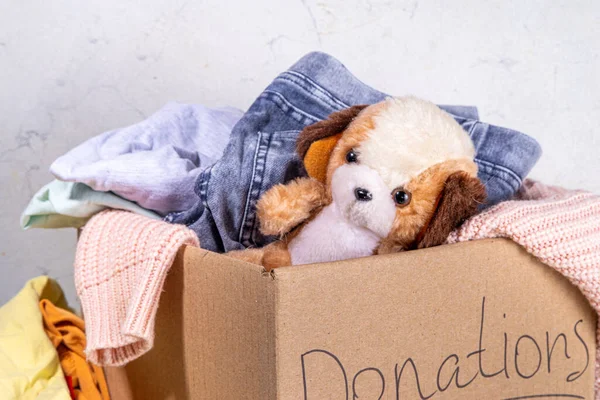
x,y
490,164
288,104
204,178
471,127
284,134
501,168
243,222
334,102
315,85
250,225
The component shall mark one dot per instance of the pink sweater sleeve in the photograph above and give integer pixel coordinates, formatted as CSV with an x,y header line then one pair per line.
x,y
121,264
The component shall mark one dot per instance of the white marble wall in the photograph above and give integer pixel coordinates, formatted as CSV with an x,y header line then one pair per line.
x,y
72,69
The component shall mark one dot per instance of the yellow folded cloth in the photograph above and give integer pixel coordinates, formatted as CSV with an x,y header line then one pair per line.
x,y
29,364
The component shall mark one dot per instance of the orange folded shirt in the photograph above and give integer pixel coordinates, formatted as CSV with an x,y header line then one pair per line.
x,y
67,333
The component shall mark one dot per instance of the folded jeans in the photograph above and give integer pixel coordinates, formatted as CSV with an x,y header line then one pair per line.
x,y
261,151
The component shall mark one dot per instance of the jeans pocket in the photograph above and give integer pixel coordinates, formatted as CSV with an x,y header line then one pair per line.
x,y
275,161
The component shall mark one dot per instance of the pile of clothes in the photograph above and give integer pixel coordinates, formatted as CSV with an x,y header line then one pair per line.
x,y
192,175
206,168
42,346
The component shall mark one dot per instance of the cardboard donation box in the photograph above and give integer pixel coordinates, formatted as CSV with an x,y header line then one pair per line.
x,y
477,320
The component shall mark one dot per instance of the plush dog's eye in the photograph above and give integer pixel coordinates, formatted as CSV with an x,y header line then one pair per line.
x,y
351,156
402,197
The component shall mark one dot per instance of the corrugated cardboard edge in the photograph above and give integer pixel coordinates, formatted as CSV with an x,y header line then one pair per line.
x,y
422,256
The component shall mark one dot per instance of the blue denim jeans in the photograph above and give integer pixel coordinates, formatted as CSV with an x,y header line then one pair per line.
x,y
261,151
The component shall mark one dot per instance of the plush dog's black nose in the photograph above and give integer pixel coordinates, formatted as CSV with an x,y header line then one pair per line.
x,y
362,194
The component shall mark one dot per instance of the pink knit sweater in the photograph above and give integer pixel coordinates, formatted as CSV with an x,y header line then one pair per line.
x,y
559,227
121,264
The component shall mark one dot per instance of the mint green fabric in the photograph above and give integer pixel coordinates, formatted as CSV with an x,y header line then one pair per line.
x,y
71,204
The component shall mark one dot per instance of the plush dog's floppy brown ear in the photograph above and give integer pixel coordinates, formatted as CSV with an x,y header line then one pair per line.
x,y
316,142
459,200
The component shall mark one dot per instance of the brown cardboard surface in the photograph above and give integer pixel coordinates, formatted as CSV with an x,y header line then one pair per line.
x,y
214,335
354,325
228,330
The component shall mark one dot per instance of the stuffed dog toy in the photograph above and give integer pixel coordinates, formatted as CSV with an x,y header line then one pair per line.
x,y
393,176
